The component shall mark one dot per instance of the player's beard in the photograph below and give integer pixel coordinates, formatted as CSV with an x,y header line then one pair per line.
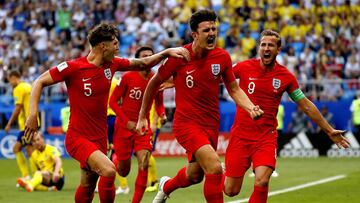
x,y
269,62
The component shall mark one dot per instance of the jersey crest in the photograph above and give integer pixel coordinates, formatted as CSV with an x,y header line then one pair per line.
x,y
215,69
276,83
107,73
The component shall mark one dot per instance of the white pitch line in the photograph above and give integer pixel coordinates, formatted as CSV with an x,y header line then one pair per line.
x,y
298,187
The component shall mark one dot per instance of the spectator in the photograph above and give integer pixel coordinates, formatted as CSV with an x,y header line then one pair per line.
x,y
299,122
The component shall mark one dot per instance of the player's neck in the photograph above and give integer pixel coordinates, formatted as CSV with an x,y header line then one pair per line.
x,y
198,51
42,148
145,74
269,67
95,57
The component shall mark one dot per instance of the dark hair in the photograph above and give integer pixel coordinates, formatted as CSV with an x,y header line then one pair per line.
x,y
271,33
143,48
201,16
14,73
101,33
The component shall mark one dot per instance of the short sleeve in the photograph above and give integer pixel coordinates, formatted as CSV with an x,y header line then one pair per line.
x,y
61,72
55,152
228,75
19,95
120,64
236,70
293,84
168,67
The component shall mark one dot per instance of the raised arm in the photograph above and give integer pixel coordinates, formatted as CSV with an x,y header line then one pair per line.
x,y
337,136
242,100
150,61
151,89
31,125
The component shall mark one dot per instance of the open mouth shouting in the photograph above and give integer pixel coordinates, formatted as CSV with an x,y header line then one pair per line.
x,y
211,41
267,55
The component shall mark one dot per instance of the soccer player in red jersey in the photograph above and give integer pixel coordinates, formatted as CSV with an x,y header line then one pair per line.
x,y
129,94
255,141
88,82
196,121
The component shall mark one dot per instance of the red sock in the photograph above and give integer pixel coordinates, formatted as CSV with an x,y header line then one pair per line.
x,y
213,188
140,185
259,194
106,189
84,195
179,181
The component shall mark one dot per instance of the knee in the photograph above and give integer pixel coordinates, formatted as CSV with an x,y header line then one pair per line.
x,y
124,171
214,168
261,181
195,177
109,171
143,159
232,187
143,165
230,192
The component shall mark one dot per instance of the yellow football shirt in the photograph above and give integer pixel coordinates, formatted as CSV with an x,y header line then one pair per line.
x,y
21,96
45,160
114,82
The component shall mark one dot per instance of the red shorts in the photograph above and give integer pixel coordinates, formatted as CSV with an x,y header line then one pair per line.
x,y
81,148
241,153
191,138
125,142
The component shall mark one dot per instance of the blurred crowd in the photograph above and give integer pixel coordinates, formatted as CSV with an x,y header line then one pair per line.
x,y
321,38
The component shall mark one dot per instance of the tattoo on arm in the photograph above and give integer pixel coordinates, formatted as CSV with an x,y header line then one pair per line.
x,y
137,64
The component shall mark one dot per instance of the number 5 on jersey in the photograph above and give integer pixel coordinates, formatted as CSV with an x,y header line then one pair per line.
x,y
87,89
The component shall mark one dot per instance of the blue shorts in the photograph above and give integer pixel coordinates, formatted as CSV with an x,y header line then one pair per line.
x,y
22,140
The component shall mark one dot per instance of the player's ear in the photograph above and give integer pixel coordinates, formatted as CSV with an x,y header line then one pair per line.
x,y
193,35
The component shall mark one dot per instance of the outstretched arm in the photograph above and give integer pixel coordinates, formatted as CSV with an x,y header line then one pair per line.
x,y
149,62
337,136
242,100
31,125
151,89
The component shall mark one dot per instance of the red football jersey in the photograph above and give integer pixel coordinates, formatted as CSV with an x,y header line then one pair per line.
x,y
130,92
88,89
264,88
197,86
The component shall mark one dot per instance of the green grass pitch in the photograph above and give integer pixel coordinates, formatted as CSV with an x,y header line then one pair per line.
x,y
293,172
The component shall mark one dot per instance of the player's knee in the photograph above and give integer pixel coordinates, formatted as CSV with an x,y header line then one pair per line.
x,y
261,181
214,168
230,190
196,177
231,193
123,171
109,171
143,165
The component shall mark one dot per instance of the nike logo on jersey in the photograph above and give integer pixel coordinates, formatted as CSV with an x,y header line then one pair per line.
x,y
85,79
189,72
250,78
